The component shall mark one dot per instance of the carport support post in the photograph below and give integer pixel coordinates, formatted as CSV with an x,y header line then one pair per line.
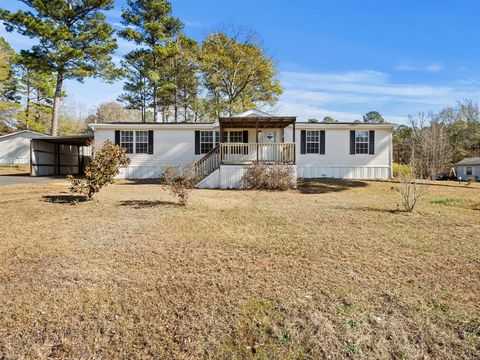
x,y
31,156
57,150
256,136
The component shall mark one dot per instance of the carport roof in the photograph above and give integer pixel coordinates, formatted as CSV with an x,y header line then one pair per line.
x,y
81,140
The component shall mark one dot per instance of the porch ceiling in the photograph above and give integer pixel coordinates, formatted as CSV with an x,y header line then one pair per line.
x,y
257,121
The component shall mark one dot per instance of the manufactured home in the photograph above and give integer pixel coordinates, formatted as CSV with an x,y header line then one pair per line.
x,y
223,150
468,168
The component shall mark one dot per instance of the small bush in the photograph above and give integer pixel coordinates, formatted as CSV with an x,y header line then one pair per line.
x,y
101,171
410,191
180,182
269,177
400,170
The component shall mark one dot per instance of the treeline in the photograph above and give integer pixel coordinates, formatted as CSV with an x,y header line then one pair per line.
x,y
167,77
434,142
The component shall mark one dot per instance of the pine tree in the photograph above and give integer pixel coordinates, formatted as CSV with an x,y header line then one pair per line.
x,y
149,24
137,95
37,91
8,86
75,41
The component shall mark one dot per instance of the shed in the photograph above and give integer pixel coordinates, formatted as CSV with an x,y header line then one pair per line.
x,y
468,168
15,147
60,155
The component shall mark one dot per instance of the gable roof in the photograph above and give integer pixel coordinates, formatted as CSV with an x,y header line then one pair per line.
x,y
35,133
470,161
253,113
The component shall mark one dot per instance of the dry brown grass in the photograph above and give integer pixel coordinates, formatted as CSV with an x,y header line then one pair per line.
x,y
333,270
14,169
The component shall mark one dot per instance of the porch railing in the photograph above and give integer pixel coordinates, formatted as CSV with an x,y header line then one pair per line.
x,y
208,163
243,153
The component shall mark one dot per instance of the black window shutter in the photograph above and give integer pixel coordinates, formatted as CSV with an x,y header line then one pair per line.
x,y
150,142
197,142
322,142
117,137
371,146
217,137
303,142
245,136
352,142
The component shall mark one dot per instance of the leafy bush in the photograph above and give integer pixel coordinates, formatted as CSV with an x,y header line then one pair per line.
x,y
269,177
101,171
400,170
410,191
180,182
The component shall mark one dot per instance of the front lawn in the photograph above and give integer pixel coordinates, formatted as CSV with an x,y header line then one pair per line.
x,y
332,270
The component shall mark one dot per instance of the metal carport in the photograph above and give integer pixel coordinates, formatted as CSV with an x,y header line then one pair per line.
x,y
60,155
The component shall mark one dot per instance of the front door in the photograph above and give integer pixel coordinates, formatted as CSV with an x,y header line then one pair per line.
x,y
270,150
269,136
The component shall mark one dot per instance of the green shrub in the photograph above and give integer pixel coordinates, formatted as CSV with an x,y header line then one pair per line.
x,y
101,171
400,170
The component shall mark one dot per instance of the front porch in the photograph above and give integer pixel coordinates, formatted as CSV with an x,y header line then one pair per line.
x,y
236,145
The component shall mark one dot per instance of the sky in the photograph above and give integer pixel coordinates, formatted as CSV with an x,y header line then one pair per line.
x,y
338,58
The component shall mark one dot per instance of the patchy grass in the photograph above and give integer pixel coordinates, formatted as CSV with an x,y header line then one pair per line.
x,y
447,201
330,271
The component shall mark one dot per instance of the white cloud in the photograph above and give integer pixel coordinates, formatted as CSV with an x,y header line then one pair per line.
x,y
346,96
433,67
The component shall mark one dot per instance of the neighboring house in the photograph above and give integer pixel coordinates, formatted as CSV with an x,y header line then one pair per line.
x,y
15,147
221,151
468,168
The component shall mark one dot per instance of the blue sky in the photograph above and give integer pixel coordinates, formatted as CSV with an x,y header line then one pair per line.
x,y
339,58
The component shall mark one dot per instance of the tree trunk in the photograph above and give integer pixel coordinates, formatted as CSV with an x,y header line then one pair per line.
x,y
154,103
56,103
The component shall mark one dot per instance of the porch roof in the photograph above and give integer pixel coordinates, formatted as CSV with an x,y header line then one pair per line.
x,y
261,122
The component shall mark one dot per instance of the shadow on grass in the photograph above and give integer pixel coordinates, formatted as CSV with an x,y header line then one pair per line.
x,y
140,182
143,204
64,199
19,174
373,209
321,186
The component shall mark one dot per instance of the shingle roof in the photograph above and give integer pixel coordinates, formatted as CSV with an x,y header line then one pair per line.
x,y
470,161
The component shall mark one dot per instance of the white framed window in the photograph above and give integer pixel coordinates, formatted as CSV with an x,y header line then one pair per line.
x,y
469,171
207,141
361,141
141,142
126,141
313,142
134,141
235,136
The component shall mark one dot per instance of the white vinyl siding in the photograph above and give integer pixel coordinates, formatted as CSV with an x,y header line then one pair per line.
x,y
338,163
176,147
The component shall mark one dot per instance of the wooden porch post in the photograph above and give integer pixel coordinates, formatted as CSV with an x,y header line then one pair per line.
x,y
220,143
294,146
256,135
